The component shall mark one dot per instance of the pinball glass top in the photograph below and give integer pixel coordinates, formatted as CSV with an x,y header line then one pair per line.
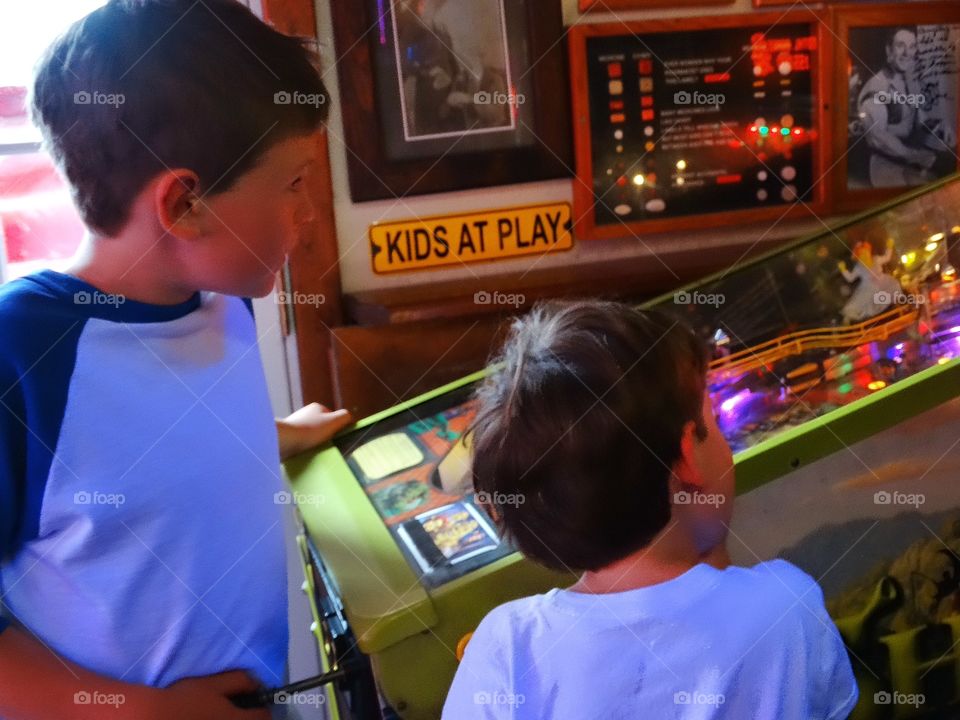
x,y
832,319
795,334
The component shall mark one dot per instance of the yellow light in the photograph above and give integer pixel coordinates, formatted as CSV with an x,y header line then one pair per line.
x,y
955,230
931,246
937,237
679,181
876,385
681,164
909,257
943,361
903,259
638,179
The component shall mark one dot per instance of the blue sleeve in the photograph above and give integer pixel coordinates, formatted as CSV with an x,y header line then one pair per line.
x,y
13,451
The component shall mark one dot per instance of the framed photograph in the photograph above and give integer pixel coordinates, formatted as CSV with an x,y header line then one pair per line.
x,y
896,99
441,95
685,123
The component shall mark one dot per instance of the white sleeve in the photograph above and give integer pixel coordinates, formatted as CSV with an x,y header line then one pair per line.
x,y
833,691
481,688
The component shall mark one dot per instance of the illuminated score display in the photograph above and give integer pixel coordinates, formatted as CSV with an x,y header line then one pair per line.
x,y
701,121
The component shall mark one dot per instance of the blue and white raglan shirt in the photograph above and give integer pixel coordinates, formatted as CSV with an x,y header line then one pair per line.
x,y
140,536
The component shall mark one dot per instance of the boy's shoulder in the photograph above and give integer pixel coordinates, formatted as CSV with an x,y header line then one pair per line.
x,y
775,581
43,315
774,591
776,572
28,298
36,314
513,618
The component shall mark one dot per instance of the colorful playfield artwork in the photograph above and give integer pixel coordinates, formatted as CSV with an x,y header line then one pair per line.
x,y
386,455
455,532
400,470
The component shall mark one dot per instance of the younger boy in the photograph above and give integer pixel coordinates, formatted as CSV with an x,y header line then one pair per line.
x,y
599,420
142,562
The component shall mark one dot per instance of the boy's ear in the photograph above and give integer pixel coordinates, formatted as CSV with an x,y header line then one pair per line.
x,y
685,469
177,203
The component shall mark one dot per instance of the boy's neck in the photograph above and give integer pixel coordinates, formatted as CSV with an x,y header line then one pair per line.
x,y
669,555
121,266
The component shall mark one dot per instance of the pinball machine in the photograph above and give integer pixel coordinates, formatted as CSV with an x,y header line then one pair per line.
x,y
835,375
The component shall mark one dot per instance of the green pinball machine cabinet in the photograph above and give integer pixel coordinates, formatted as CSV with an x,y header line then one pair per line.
x,y
835,375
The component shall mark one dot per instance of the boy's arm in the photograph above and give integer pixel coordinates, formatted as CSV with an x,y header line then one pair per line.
x,y
308,427
36,684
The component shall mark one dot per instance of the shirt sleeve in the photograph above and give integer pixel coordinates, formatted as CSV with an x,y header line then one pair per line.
x,y
13,453
844,692
834,690
831,689
481,688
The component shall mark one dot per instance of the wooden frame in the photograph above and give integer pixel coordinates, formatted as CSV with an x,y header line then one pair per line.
x,y
585,222
613,5
771,3
845,18
361,38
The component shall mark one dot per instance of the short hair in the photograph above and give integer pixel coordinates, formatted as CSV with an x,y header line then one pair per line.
x,y
138,86
579,426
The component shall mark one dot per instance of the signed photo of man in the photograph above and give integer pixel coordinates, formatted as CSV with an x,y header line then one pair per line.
x,y
454,67
902,124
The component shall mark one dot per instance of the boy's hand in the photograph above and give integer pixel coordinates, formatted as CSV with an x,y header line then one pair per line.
x,y
308,427
207,697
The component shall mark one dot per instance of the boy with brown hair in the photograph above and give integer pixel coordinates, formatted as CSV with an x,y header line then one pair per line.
x,y
142,559
596,441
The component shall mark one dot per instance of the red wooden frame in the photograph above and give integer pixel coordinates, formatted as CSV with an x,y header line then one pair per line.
x,y
614,5
842,19
586,228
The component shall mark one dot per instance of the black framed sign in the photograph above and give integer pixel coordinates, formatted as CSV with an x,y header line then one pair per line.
x,y
442,95
681,119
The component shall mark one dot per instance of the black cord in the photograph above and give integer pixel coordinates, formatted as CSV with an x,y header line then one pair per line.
x,y
261,698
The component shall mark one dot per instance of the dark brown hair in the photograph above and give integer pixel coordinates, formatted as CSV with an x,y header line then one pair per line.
x,y
579,426
138,86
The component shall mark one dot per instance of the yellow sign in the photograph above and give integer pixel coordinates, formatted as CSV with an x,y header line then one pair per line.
x,y
457,239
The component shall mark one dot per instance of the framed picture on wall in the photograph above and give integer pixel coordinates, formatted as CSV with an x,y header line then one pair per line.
x,y
441,95
896,99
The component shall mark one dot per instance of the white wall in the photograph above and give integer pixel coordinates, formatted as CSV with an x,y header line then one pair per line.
x,y
353,219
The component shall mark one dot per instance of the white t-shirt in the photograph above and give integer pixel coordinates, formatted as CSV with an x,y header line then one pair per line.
x,y
737,644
